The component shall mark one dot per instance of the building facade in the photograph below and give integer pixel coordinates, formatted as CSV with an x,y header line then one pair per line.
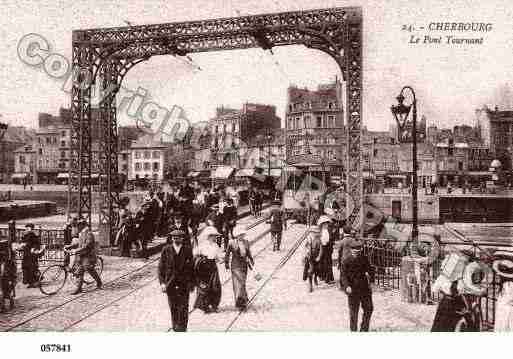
x,y
147,158
314,123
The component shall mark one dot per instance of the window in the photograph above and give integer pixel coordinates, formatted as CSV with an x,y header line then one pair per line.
x,y
460,166
40,151
63,154
375,152
125,168
137,166
137,154
63,143
147,166
54,140
22,159
330,105
290,108
307,121
318,121
450,151
290,124
39,139
63,133
124,156
48,140
156,154
331,121
155,166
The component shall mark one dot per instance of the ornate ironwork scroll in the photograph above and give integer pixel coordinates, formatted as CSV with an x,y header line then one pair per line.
x,y
110,52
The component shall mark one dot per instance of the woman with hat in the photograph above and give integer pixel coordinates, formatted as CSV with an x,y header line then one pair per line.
x,y
326,263
504,307
238,258
205,269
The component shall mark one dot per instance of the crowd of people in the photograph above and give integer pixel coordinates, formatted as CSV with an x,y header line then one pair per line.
x,y
184,208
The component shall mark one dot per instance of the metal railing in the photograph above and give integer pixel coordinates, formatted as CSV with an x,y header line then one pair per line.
x,y
53,239
386,257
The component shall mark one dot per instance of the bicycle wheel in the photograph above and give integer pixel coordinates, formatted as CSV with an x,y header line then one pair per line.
x,y
99,269
52,279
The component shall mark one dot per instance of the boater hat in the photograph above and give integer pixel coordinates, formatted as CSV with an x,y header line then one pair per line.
x,y
323,219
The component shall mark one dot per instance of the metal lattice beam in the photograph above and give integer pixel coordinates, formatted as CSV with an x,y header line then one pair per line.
x,y
111,52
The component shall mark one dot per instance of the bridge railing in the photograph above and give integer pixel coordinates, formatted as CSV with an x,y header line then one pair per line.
x,y
386,258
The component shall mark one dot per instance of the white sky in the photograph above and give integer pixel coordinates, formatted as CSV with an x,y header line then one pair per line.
x,y
450,81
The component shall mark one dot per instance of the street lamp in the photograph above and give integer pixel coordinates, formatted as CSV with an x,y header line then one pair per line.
x,y
401,113
3,130
269,138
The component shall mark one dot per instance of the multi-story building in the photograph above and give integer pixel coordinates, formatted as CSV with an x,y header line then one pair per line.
x,y
148,157
496,129
14,138
231,128
314,123
25,159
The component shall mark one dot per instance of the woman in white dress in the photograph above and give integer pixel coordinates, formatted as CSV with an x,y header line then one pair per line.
x,y
503,267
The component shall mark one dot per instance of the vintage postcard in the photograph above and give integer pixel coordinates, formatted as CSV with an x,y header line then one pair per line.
x,y
248,166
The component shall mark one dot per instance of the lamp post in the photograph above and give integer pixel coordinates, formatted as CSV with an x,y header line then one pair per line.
x,y
269,138
3,130
401,113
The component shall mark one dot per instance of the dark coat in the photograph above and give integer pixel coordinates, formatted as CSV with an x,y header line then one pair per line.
x,y
354,273
176,270
277,220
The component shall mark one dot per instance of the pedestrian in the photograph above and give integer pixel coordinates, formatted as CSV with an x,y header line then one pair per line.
x,y
31,249
229,221
326,263
312,258
278,223
86,256
252,198
238,258
206,273
356,276
504,306
345,245
175,273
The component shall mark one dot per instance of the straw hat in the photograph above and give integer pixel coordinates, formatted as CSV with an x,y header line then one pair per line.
x,y
323,219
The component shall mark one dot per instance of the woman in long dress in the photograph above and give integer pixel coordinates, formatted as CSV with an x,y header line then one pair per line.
x,y
238,258
205,268
326,264
504,308
503,267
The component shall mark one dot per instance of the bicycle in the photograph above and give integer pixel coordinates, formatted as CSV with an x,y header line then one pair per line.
x,y
53,278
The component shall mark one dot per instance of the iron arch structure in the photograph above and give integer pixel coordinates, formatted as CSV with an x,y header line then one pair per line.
x,y
107,54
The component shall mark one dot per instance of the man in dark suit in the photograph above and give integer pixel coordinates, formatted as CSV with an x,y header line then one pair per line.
x,y
176,278
355,277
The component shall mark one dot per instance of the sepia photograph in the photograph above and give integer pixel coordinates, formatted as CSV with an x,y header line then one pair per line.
x,y
255,166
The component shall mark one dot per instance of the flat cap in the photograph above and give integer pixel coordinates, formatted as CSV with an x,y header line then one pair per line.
x,y
177,233
356,244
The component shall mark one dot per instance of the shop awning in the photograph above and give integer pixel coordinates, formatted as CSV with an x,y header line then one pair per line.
x,y
63,175
19,175
478,173
245,172
222,172
275,172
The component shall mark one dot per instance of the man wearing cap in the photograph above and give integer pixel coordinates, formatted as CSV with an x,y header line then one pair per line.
x,y
175,273
86,255
313,254
278,221
355,277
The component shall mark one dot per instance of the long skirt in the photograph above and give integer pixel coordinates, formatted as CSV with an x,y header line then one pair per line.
x,y
208,285
327,264
503,315
446,316
239,276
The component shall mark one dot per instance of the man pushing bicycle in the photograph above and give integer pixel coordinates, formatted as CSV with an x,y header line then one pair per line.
x,y
85,255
